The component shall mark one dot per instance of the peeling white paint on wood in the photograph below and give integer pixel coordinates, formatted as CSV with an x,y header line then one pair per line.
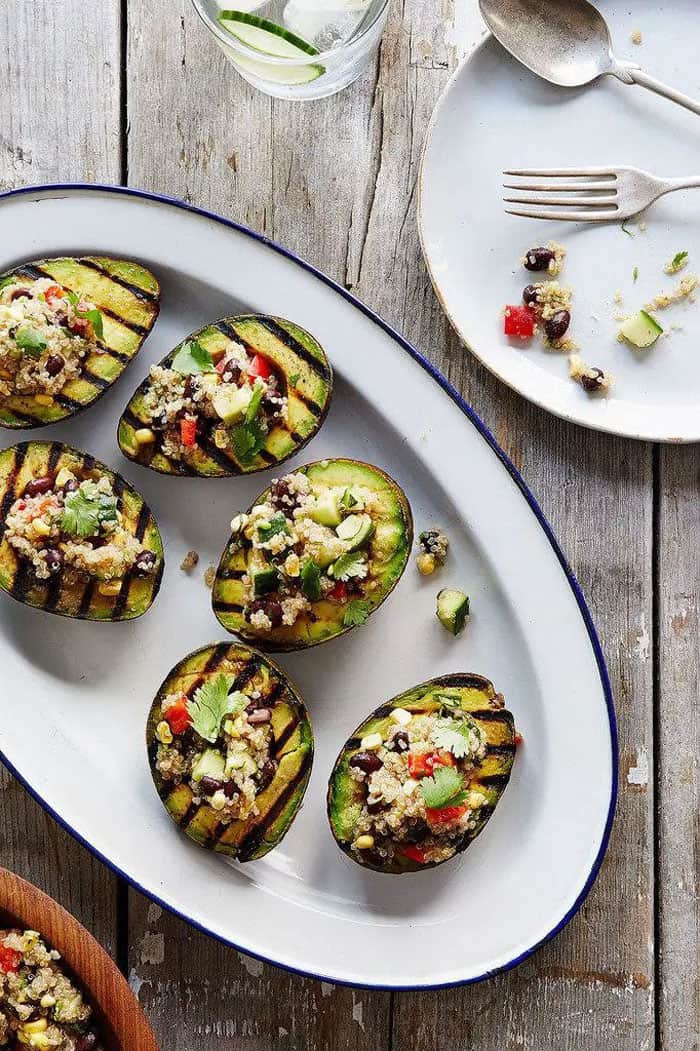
x,y
152,948
357,1012
643,641
639,774
254,967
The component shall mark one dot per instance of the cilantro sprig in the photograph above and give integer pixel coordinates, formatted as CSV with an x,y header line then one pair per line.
x,y
356,613
453,735
86,509
192,358
248,438
30,340
210,703
310,577
94,316
351,564
445,788
678,260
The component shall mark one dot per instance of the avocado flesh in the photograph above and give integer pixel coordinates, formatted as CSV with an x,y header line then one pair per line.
x,y
128,296
292,749
293,354
79,599
478,697
388,550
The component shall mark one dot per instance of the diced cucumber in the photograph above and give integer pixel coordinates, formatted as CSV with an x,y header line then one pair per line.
x,y
355,530
452,609
642,330
210,764
326,511
351,502
265,581
230,403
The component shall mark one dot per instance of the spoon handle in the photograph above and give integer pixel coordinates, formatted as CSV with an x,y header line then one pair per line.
x,y
645,81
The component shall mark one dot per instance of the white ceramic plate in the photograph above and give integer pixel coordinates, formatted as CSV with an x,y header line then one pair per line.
x,y
77,694
495,115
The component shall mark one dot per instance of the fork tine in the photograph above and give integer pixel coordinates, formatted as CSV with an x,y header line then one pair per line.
x,y
585,202
560,186
558,172
590,216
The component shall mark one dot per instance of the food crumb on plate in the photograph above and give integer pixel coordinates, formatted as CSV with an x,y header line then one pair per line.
x,y
189,561
210,576
685,289
592,379
636,36
679,261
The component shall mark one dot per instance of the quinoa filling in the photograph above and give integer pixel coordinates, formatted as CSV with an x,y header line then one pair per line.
x,y
230,397
74,527
219,742
40,1007
305,547
416,778
46,332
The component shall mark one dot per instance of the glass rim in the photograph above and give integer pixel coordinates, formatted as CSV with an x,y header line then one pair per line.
x,y
275,60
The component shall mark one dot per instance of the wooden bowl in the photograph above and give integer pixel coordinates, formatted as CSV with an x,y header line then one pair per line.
x,y
118,1014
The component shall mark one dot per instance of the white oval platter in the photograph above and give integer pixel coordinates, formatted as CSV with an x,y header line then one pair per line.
x,y
495,115
76,694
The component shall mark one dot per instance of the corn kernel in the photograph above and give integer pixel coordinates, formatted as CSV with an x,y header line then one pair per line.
x,y
63,476
409,786
365,842
144,436
220,439
43,399
40,527
218,800
164,733
371,742
109,588
34,1027
47,1000
475,800
426,564
401,716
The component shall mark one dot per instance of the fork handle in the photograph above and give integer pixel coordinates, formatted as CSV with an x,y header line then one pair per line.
x,y
645,81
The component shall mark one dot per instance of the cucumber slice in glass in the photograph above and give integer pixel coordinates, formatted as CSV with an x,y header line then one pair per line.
x,y
641,330
274,41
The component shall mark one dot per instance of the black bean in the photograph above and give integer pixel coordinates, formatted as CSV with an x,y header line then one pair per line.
x,y
38,486
230,789
374,808
232,372
269,606
254,704
145,563
428,539
20,293
416,831
272,404
209,785
261,715
281,496
368,762
71,486
372,857
54,364
399,742
87,1042
593,383
267,773
538,258
54,560
556,326
530,295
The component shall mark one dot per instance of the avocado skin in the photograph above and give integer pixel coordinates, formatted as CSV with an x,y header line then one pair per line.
x,y
27,460
129,297
228,587
294,748
480,699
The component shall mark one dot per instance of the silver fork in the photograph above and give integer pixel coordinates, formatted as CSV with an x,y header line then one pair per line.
x,y
588,195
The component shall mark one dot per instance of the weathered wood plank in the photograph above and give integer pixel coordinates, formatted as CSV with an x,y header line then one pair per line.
x,y
59,121
678,738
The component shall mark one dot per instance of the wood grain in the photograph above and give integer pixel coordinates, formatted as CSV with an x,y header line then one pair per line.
x,y
122,1023
59,120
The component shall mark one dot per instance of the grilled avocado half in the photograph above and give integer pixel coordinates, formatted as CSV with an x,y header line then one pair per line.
x,y
128,298
464,696
186,758
387,549
72,595
276,347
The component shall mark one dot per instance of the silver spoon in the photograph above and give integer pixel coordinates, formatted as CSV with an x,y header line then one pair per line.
x,y
566,42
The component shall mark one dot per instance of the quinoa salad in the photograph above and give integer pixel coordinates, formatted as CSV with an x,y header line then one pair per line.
x,y
40,1006
225,396
73,526
46,332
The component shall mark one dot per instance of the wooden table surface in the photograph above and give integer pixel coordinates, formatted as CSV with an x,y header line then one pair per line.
x,y
133,91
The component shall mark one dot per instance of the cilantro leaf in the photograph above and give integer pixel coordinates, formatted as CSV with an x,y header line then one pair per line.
x,y
635,273
445,788
351,564
210,703
254,403
625,230
449,700
5,281
86,509
453,735
311,580
293,379
191,358
30,340
678,259
347,500
356,613
94,316
248,439
277,524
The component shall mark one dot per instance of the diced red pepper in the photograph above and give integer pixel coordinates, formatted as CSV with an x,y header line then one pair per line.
x,y
445,814
422,764
177,716
414,853
221,364
259,367
53,292
519,321
518,739
10,959
339,592
188,431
